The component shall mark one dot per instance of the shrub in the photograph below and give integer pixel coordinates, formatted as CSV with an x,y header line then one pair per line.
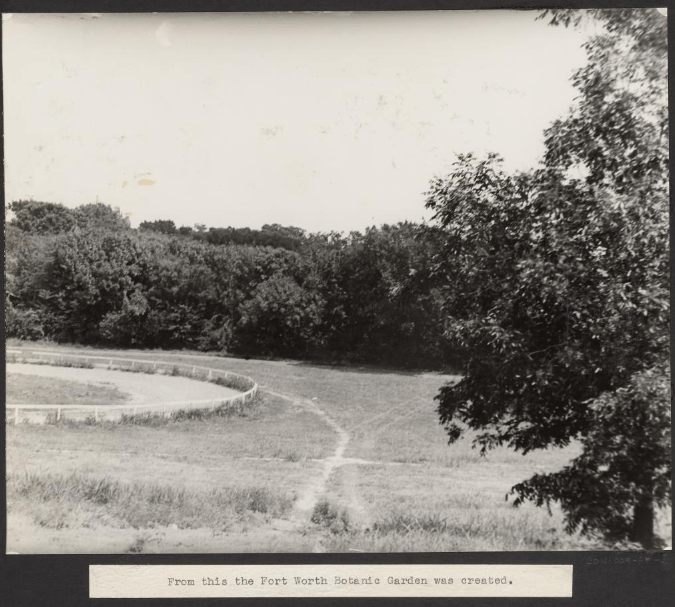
x,y
23,324
328,516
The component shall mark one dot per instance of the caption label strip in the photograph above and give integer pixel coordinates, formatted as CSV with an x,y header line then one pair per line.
x,y
316,581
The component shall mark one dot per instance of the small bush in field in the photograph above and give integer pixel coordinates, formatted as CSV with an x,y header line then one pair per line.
x,y
327,515
23,324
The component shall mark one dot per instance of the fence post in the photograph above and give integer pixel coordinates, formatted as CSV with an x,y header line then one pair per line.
x,y
194,370
135,409
155,366
132,364
210,373
16,415
58,413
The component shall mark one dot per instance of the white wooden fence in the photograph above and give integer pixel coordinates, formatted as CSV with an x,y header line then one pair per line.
x,y
81,411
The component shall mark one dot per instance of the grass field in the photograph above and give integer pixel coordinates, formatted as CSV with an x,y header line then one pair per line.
x,y
366,444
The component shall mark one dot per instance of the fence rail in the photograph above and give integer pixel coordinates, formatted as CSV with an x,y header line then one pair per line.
x,y
136,365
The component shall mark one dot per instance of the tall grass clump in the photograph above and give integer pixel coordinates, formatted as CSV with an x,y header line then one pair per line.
x,y
404,523
235,382
466,529
330,517
71,363
157,419
142,505
10,357
140,368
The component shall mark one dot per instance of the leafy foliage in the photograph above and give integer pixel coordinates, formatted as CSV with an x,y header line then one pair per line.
x,y
41,217
560,284
366,298
51,218
163,226
101,217
615,471
280,318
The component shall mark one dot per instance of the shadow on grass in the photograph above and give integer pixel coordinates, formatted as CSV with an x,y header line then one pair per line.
x,y
371,369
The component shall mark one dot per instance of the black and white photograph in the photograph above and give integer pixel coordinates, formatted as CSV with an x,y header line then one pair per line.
x,y
337,282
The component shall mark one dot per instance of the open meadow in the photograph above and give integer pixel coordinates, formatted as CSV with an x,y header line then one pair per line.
x,y
325,459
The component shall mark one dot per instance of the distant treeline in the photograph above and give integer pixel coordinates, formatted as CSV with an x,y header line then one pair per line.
x,y
269,236
83,275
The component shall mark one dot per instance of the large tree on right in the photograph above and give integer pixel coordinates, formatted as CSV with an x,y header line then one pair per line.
x,y
558,289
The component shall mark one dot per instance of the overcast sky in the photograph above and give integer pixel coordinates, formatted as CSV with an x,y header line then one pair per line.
x,y
322,121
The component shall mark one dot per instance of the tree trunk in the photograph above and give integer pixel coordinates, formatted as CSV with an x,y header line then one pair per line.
x,y
643,524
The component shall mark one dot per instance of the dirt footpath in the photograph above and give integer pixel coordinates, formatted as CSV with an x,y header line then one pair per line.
x,y
143,388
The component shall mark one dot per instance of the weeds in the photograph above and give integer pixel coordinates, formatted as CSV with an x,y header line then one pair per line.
x,y
403,524
138,544
153,419
157,419
329,517
439,531
236,382
139,368
56,362
51,418
74,364
144,505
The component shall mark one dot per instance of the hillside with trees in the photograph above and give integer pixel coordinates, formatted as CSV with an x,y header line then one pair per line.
x,y
83,275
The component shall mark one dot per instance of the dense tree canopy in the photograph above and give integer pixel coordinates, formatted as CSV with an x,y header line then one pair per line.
x,y
558,288
163,226
41,217
91,279
50,218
